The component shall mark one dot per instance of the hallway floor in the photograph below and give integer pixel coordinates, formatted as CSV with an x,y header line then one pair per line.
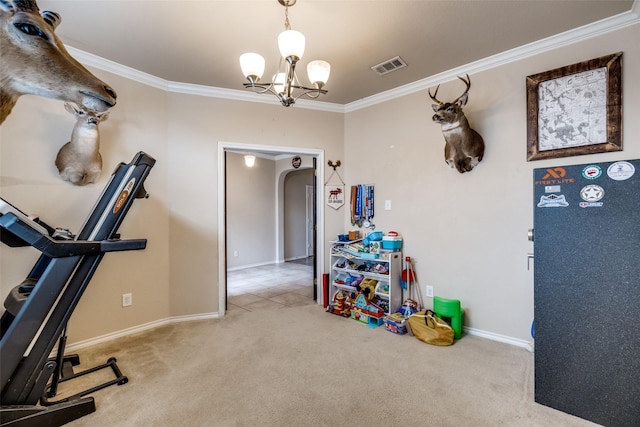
x,y
271,286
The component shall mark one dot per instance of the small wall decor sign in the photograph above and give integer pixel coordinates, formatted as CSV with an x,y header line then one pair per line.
x,y
334,195
296,162
576,109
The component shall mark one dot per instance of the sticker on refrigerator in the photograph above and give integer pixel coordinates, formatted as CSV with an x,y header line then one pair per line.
x,y
620,171
590,204
592,193
555,176
592,172
553,201
552,189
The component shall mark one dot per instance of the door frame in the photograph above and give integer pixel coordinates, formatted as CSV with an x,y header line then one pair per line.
x,y
223,147
308,221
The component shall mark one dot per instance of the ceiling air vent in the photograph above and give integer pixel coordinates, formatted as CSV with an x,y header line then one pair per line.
x,y
390,65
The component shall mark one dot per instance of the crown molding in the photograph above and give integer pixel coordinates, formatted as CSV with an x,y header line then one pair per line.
x,y
576,35
91,60
604,26
103,64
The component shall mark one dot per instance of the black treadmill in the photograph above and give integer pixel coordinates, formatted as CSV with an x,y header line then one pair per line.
x,y
38,309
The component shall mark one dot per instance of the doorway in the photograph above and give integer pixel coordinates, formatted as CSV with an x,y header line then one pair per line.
x,y
223,239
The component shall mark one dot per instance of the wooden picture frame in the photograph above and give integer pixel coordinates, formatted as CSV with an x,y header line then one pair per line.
x,y
575,110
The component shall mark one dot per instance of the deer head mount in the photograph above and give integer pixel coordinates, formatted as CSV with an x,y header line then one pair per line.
x,y
79,160
34,61
464,147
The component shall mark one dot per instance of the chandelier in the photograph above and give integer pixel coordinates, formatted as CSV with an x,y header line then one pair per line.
x,y
285,84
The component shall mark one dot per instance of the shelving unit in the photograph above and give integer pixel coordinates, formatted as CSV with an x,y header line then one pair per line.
x,y
385,268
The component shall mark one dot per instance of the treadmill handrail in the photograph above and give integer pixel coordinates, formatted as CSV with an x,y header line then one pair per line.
x,y
64,248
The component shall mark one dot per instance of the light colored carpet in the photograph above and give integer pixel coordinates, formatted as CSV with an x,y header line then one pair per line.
x,y
299,366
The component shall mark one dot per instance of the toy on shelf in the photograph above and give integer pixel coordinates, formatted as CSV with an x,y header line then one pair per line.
x,y
367,312
341,304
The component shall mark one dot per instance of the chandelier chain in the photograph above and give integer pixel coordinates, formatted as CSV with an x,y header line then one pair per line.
x,y
287,25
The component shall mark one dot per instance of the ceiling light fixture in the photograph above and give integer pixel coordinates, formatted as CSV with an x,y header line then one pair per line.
x,y
249,160
284,82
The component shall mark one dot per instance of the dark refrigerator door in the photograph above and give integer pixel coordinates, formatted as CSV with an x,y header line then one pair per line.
x,y
587,290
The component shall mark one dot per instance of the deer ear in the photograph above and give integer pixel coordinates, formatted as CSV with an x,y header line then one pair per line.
x,y
103,116
73,109
435,107
462,101
51,18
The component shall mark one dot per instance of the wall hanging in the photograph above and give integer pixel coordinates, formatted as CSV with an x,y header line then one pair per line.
x,y
334,194
576,109
35,62
464,147
362,205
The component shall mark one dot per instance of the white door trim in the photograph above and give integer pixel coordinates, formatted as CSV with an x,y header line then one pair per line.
x,y
227,146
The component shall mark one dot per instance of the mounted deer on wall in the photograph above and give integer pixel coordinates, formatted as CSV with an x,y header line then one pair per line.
x,y
464,147
34,61
79,160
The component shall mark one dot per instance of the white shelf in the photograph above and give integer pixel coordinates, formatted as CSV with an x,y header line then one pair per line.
x,y
392,261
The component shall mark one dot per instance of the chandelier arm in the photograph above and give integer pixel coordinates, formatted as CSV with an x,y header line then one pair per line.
x,y
284,100
310,93
264,87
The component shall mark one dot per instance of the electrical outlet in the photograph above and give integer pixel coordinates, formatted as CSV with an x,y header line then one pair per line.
x,y
387,205
235,253
429,291
127,300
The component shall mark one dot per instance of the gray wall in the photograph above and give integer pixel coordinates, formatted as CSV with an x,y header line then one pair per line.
x,y
295,226
251,212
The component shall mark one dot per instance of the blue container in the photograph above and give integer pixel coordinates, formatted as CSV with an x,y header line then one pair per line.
x,y
393,243
375,236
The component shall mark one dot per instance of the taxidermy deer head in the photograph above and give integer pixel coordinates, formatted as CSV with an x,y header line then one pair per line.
x,y
34,61
464,146
79,160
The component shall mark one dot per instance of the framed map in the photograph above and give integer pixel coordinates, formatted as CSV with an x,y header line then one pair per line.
x,y
576,109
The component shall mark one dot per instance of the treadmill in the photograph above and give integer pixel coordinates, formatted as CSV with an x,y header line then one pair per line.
x,y
36,312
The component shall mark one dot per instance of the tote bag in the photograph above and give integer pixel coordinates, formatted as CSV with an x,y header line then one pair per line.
x,y
428,327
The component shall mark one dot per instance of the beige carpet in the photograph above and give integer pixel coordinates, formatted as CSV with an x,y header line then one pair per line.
x,y
300,366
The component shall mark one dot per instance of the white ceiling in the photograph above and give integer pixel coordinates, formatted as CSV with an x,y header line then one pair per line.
x,y
200,41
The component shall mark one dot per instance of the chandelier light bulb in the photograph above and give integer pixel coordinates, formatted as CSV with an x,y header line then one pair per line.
x,y
252,65
318,72
291,44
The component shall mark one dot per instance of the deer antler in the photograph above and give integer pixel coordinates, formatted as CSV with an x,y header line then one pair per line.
x,y
433,97
467,82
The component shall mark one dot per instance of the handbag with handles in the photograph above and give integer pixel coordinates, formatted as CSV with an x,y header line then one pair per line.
x,y
428,327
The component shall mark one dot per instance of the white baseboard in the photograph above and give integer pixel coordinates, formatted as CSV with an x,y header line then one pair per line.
x,y
140,328
295,258
260,264
528,345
